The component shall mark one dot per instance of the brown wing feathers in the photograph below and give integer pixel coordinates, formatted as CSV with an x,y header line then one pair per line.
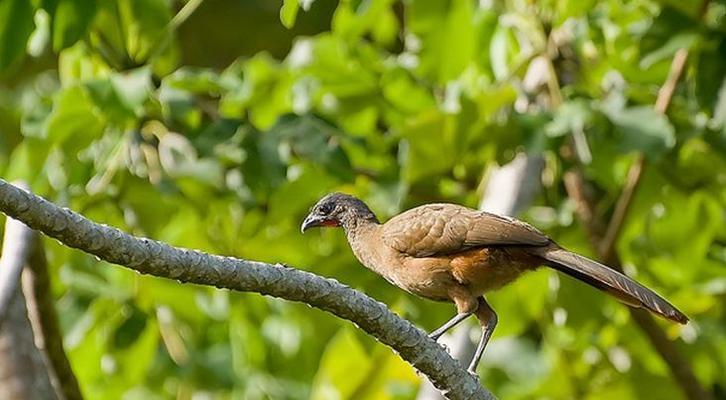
x,y
441,229
446,229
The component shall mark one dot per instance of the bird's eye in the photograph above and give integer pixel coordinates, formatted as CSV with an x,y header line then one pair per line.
x,y
326,208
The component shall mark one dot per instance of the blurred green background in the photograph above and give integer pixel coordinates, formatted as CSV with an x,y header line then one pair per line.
x,y
216,124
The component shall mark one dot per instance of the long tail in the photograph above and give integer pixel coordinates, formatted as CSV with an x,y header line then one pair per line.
x,y
610,281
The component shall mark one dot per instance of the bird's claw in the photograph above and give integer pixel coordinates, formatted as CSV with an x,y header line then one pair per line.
x,y
473,373
445,347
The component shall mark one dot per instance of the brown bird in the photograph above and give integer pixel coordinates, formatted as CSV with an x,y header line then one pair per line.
x,y
447,252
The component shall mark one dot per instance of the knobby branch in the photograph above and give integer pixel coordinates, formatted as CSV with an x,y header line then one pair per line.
x,y
190,266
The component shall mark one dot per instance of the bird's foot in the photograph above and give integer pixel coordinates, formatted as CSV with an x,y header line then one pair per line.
x,y
445,347
435,336
473,373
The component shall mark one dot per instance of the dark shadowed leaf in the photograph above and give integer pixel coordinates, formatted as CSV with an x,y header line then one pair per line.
x,y
16,24
71,19
642,129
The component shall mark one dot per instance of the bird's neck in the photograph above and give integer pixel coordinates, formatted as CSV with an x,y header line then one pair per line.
x,y
356,228
362,235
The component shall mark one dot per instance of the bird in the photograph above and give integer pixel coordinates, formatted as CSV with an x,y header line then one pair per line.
x,y
452,253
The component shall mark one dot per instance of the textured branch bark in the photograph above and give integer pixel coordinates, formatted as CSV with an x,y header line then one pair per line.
x,y
159,259
23,373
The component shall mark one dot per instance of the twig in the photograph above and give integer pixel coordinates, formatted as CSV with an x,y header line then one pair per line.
x,y
186,11
665,95
576,189
159,259
43,317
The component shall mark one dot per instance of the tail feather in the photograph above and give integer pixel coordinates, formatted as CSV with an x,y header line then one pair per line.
x,y
611,281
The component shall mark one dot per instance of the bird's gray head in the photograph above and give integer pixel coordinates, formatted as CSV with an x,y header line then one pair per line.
x,y
338,209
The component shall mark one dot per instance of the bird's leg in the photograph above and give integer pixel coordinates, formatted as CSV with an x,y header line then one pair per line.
x,y
488,320
448,325
466,304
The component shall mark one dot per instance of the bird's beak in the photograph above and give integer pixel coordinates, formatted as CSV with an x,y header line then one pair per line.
x,y
312,221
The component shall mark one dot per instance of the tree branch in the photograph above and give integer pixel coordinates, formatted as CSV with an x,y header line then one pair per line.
x,y
23,372
159,259
44,320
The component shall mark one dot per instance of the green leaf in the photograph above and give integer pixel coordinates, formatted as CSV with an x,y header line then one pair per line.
x,y
70,21
450,34
425,144
499,52
666,52
343,368
16,25
710,76
573,8
41,36
669,24
133,88
130,329
571,115
179,106
122,96
144,22
312,139
400,89
79,63
352,20
73,116
642,129
179,159
136,359
195,80
687,8
288,13
338,66
26,160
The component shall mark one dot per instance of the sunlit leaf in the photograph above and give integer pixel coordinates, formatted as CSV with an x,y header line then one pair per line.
x,y
288,12
73,116
343,367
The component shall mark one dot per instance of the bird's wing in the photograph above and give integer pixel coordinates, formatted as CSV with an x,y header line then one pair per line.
x,y
441,229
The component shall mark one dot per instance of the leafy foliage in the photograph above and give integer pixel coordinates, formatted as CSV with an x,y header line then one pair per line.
x,y
124,112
